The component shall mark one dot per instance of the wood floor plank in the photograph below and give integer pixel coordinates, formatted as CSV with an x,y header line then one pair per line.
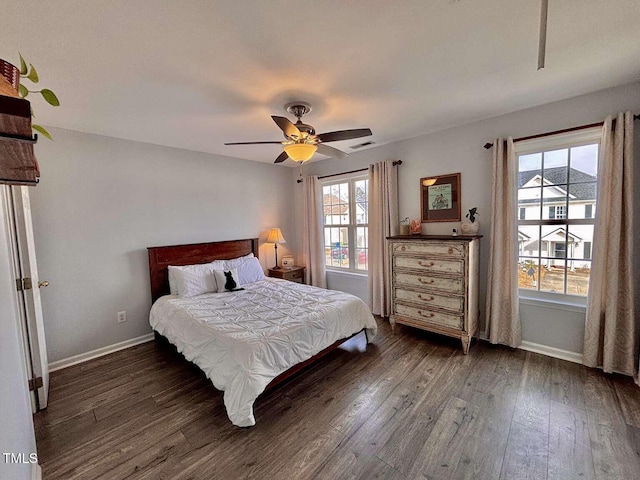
x,y
615,448
628,394
444,454
533,403
527,454
570,455
567,384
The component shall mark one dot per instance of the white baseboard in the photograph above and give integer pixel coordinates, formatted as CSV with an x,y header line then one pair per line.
x,y
574,357
36,472
99,352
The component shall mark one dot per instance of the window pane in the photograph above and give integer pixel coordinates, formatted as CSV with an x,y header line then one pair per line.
x,y
552,275
361,213
529,200
528,273
584,162
555,165
528,166
578,278
553,198
582,200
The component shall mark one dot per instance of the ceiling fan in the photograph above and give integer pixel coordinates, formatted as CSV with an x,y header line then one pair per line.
x,y
301,141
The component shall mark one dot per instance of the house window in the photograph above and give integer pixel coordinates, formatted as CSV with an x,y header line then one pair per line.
x,y
345,205
522,213
588,211
557,180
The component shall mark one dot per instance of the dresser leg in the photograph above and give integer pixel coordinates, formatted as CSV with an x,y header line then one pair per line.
x,y
466,341
392,322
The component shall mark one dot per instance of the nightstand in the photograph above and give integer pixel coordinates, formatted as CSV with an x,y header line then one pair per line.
x,y
293,274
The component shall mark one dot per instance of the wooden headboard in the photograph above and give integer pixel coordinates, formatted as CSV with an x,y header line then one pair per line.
x,y
161,257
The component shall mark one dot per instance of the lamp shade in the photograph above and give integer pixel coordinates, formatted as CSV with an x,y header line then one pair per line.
x,y
427,182
300,152
275,236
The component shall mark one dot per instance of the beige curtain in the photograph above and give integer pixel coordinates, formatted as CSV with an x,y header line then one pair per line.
x,y
503,315
383,222
610,331
313,243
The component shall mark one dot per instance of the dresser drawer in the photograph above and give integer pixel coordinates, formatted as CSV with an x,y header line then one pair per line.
x,y
429,316
452,285
430,264
430,299
430,248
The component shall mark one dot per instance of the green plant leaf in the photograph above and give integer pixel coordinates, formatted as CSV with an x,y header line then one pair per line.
x,y
50,97
23,65
22,90
42,130
33,75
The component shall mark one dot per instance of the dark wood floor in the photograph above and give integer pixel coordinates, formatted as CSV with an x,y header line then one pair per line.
x,y
408,406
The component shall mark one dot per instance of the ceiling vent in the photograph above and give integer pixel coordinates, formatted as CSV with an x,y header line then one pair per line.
x,y
360,145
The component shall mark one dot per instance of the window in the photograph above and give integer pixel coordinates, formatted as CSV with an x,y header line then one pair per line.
x,y
588,211
557,182
346,223
522,214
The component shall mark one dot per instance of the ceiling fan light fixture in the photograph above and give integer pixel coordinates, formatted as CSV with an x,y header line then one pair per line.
x,y
427,182
300,152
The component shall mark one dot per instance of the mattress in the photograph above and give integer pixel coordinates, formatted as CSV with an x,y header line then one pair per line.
x,y
243,340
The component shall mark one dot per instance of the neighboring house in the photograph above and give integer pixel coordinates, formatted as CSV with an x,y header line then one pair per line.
x,y
567,194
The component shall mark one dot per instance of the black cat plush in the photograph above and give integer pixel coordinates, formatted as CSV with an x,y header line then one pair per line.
x,y
231,283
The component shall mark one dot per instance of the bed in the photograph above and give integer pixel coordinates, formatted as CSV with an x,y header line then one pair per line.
x,y
249,340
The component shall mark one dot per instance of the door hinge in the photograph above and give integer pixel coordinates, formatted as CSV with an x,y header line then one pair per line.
x,y
35,383
23,284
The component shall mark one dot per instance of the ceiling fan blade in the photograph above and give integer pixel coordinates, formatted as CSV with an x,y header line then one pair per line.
x,y
253,143
282,157
330,151
344,135
289,129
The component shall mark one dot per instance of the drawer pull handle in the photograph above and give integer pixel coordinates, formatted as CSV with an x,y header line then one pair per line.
x,y
428,315
403,248
427,281
430,299
430,264
450,250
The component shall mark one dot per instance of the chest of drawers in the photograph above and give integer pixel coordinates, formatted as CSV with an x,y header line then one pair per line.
x,y
435,284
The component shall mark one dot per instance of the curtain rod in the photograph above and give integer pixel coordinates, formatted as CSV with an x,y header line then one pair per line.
x,y
396,162
556,132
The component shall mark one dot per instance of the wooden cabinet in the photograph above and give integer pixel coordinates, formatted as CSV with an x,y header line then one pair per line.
x,y
435,284
294,274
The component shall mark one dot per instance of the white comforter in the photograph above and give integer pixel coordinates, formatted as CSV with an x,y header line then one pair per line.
x,y
243,340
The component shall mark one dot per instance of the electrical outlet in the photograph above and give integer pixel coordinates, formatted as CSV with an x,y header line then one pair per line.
x,y
122,317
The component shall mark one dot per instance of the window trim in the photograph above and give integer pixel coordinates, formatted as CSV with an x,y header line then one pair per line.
x,y
586,136
350,178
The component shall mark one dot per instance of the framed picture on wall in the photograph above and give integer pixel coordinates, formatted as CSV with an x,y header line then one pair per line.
x,y
440,198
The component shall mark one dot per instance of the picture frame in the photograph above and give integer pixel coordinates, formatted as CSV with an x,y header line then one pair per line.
x,y
440,198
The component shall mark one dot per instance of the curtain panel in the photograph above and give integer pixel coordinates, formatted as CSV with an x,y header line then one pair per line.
x,y
313,239
611,336
383,222
503,314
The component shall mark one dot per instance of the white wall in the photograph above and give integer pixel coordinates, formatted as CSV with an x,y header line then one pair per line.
x,y
16,422
102,201
460,149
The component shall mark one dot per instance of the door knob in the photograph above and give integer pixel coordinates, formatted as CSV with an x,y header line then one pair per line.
x,y
43,284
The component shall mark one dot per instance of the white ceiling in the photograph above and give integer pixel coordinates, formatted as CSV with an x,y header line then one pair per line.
x,y
195,74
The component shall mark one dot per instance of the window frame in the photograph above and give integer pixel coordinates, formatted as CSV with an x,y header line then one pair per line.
x,y
577,138
352,226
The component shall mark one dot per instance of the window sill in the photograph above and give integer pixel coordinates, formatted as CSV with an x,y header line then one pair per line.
x,y
570,305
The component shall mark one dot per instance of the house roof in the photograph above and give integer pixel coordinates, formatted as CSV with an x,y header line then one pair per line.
x,y
583,186
333,205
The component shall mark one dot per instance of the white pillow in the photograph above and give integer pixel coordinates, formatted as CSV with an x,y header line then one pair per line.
x,y
192,280
236,262
173,288
222,278
250,271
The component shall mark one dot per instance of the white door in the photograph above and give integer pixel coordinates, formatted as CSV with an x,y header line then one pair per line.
x,y
28,286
